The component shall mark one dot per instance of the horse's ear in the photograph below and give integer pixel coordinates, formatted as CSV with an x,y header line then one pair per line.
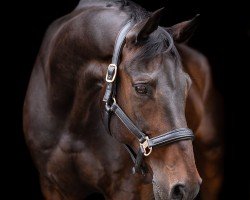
x,y
143,29
181,32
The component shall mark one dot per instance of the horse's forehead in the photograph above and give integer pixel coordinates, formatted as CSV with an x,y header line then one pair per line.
x,y
156,66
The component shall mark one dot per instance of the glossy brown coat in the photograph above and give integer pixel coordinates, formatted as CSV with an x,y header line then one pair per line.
x,y
63,114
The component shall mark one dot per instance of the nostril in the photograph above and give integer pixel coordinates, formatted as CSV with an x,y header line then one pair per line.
x,y
177,192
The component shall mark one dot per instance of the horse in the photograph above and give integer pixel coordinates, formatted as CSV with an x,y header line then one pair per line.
x,y
108,104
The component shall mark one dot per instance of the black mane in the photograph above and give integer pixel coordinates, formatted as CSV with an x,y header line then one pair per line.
x,y
160,41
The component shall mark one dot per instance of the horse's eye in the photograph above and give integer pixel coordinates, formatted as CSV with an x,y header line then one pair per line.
x,y
141,89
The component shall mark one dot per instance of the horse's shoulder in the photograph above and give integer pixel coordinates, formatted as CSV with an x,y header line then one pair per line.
x,y
58,27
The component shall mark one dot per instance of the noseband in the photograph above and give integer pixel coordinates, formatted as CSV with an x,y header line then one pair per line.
x,y
111,106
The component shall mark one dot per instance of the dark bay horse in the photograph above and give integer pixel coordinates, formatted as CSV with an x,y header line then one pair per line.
x,y
161,85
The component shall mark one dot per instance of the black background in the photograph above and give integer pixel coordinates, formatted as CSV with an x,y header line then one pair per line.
x,y
223,36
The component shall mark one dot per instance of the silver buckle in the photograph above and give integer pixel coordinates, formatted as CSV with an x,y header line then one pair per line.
x,y
109,77
145,146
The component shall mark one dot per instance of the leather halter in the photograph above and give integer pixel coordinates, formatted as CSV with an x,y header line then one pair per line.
x,y
111,106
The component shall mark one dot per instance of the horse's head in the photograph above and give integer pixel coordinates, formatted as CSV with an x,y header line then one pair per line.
x,y
152,89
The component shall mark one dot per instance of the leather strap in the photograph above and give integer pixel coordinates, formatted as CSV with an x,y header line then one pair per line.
x,y
112,72
112,68
171,136
120,42
166,138
163,139
127,122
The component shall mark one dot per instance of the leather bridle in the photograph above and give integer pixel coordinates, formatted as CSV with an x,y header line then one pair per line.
x,y
111,107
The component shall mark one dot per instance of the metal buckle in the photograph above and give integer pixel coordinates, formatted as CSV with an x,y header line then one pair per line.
x,y
109,107
145,147
111,77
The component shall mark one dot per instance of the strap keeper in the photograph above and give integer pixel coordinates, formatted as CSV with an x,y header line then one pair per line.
x,y
109,107
111,73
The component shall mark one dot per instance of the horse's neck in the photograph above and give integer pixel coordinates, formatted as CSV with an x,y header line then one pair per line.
x,y
81,52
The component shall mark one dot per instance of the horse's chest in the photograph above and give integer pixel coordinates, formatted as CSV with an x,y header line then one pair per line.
x,y
91,165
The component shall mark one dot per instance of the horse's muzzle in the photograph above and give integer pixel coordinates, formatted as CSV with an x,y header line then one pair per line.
x,y
179,191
